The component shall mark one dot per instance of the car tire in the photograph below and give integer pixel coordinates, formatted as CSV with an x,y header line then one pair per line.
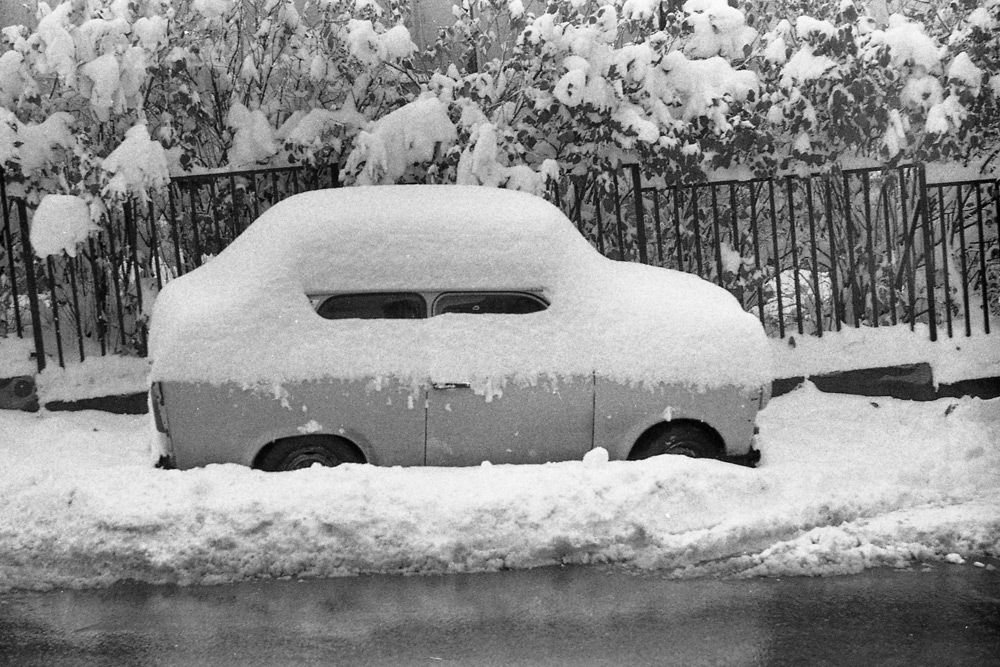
x,y
683,439
304,452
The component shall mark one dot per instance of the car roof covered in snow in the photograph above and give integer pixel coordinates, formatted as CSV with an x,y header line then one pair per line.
x,y
245,317
408,237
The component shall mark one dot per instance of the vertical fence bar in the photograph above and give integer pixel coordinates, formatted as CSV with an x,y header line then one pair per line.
x,y
598,218
717,240
928,253
755,232
114,264
100,298
213,201
963,260
736,242
697,230
656,222
132,237
578,194
984,287
677,228
795,253
777,263
50,270
196,237
640,217
851,266
28,258
870,246
256,197
889,239
909,249
8,238
174,234
76,305
154,244
618,216
838,306
944,258
234,224
817,295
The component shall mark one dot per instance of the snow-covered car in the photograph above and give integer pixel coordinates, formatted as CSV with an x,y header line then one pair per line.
x,y
444,325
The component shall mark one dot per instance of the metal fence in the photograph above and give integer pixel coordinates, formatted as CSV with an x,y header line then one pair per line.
x,y
97,301
866,247
808,254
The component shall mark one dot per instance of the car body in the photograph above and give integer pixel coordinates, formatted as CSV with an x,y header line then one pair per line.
x,y
443,325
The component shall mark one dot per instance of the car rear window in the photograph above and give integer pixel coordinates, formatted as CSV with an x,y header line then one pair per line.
x,y
494,303
382,305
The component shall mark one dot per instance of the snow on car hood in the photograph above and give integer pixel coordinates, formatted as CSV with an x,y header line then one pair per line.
x,y
245,317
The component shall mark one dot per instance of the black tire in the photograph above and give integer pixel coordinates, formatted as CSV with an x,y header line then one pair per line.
x,y
304,452
682,439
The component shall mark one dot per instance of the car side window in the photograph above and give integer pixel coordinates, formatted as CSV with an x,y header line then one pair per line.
x,y
493,303
382,305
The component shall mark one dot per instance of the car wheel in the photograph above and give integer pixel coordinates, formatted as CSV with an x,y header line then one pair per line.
x,y
305,452
684,439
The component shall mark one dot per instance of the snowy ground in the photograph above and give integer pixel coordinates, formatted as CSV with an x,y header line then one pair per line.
x,y
846,483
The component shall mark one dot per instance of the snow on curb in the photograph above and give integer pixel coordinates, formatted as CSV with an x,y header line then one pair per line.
x,y
846,483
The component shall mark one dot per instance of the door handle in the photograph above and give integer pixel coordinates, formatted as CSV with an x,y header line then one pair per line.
x,y
450,385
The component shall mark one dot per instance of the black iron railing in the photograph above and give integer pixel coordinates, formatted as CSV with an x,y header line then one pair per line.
x,y
98,301
806,254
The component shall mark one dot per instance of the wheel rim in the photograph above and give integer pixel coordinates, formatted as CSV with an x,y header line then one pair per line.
x,y
308,457
684,449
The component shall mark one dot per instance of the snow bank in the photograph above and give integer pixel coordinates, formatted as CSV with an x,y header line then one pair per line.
x,y
15,356
951,359
244,317
95,377
846,483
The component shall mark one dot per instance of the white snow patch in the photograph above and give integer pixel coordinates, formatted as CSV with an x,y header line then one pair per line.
x,y
951,359
59,224
138,164
843,486
111,375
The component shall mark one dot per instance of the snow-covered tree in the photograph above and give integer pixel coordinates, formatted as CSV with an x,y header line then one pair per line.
x,y
504,96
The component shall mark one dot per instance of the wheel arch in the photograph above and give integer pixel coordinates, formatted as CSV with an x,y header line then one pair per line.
x,y
264,450
660,427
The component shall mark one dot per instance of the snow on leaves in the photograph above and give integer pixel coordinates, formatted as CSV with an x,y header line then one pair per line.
x,y
507,88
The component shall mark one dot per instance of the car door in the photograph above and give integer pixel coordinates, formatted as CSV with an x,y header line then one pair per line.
x,y
551,420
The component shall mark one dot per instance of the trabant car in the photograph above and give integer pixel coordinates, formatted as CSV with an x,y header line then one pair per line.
x,y
444,326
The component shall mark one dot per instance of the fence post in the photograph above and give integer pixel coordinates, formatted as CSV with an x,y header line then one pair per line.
x,y
838,309
795,254
8,238
982,252
928,252
50,265
640,221
28,257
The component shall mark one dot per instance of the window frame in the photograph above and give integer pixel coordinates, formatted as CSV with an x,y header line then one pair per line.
x,y
318,300
533,296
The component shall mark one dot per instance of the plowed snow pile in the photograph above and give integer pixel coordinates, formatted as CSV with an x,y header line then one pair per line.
x,y
846,483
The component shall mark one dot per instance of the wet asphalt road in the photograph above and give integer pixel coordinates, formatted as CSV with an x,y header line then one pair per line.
x,y
933,615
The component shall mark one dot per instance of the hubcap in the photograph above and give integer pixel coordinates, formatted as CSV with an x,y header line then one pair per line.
x,y
307,458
